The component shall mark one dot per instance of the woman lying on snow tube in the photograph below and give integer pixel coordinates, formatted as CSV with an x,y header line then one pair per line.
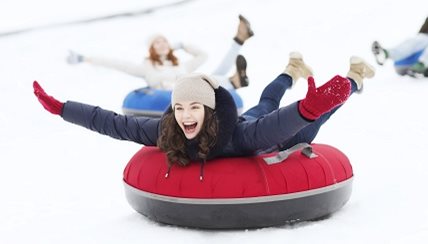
x,y
153,102
202,123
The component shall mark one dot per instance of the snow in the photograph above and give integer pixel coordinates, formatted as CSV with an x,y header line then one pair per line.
x,y
63,184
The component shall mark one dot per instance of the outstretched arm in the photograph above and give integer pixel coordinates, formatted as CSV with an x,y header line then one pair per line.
x,y
138,70
141,130
199,57
285,123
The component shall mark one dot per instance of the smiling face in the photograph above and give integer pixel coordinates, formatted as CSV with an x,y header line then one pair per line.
x,y
190,117
161,46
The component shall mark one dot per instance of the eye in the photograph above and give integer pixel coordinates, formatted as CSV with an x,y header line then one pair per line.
x,y
194,107
178,108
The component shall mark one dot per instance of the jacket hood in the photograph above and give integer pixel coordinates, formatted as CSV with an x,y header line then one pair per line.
x,y
227,115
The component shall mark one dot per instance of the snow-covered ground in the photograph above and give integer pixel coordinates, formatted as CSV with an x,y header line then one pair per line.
x,y
60,183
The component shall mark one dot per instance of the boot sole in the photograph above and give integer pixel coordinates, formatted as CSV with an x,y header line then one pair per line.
x,y
379,60
241,67
247,23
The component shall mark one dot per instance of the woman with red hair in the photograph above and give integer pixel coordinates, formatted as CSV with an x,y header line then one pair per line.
x,y
162,67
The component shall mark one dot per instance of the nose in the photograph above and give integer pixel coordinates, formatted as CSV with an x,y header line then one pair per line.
x,y
186,113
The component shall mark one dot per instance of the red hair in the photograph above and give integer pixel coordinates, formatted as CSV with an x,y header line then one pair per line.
x,y
155,58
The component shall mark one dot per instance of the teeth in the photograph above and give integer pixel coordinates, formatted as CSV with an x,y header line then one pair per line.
x,y
188,123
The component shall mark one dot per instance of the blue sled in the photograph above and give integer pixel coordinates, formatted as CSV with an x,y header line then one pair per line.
x,y
402,66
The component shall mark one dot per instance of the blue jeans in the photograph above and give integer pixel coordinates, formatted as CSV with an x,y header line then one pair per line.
x,y
270,100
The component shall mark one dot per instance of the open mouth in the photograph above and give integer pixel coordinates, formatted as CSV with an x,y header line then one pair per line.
x,y
190,127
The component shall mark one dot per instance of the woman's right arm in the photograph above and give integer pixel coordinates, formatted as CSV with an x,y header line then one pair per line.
x,y
138,70
137,129
141,130
153,77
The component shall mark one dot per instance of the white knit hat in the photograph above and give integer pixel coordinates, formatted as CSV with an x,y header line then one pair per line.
x,y
153,37
195,87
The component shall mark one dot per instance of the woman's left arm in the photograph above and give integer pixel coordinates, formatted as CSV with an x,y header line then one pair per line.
x,y
199,57
269,130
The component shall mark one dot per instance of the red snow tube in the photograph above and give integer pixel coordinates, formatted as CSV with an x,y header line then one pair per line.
x,y
306,182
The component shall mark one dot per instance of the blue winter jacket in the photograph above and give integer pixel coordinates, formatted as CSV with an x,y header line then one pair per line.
x,y
237,136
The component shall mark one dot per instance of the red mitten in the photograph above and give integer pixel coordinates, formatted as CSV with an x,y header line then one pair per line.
x,y
324,98
49,103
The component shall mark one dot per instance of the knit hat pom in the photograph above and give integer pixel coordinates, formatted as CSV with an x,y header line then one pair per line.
x,y
196,88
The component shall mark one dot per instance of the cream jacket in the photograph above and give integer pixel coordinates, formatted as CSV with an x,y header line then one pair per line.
x,y
156,76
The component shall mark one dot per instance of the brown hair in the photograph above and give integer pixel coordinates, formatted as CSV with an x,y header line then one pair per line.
x,y
155,58
173,142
